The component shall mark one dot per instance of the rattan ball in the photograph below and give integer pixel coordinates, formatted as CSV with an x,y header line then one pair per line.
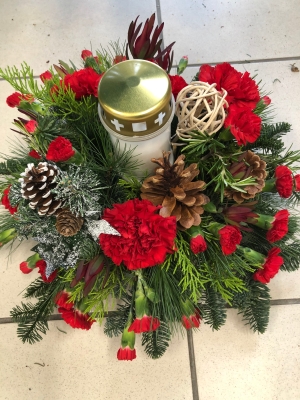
x,y
200,107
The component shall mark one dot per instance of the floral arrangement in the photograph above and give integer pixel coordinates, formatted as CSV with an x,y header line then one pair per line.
x,y
167,251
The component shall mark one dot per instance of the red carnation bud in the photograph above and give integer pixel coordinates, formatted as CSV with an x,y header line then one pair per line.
x,y
191,315
14,99
284,181
85,54
28,266
144,324
126,354
41,265
31,126
34,154
266,100
46,76
270,267
297,182
127,351
6,203
76,319
62,299
198,244
279,227
60,150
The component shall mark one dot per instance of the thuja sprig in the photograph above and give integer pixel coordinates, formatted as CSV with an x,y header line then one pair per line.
x,y
23,80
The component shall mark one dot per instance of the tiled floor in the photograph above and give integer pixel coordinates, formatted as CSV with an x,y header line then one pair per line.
x,y
261,37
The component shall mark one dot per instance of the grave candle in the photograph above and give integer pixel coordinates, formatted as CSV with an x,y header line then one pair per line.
x,y
136,107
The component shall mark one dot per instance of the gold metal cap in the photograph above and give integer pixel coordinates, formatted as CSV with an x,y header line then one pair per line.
x,y
135,97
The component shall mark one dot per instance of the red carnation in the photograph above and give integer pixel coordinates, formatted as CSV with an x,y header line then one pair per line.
x,y
246,94
60,150
279,227
85,54
83,82
297,182
62,300
146,237
126,354
14,99
198,244
177,83
76,319
30,126
193,321
244,124
34,154
284,181
46,76
41,265
5,201
224,75
270,267
144,324
230,237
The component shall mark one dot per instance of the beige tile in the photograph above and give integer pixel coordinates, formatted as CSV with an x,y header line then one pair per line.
x,y
83,365
235,364
216,31
43,32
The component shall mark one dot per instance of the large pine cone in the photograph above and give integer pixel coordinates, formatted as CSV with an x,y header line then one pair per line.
x,y
36,186
248,165
172,187
67,224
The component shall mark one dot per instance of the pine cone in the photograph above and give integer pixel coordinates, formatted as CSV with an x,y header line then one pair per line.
x,y
67,223
172,187
36,184
248,165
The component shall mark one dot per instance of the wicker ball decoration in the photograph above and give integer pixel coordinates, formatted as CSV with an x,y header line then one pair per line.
x,y
200,107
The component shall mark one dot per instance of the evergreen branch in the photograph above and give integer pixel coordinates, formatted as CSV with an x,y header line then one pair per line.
x,y
254,305
117,320
157,342
212,308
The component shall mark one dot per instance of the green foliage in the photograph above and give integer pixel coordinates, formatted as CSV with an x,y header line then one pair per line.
x,y
157,342
166,286
32,318
116,320
22,80
132,187
254,305
270,140
192,279
79,190
212,308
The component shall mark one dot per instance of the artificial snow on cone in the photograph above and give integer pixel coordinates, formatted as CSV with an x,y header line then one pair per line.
x,y
36,185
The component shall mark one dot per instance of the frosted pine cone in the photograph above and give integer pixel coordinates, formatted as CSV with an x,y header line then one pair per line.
x,y
36,185
172,187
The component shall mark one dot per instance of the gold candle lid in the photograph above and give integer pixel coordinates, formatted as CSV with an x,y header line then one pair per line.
x,y
135,97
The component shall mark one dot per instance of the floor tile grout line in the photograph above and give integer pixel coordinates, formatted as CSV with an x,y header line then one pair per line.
x,y
193,368
159,21
254,61
57,317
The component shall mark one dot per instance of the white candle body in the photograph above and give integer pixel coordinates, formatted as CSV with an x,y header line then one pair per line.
x,y
144,147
